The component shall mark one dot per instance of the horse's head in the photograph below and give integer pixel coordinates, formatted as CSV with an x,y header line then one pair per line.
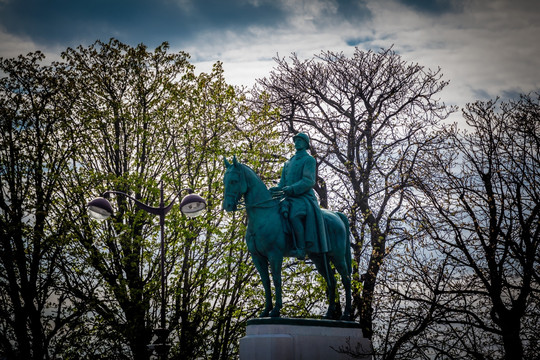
x,y
235,184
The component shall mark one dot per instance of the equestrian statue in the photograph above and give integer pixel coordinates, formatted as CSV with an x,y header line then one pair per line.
x,y
286,221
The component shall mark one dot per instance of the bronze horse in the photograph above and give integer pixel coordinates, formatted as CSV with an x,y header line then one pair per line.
x,y
268,242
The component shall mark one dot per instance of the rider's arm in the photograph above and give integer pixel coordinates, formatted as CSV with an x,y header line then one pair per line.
x,y
281,181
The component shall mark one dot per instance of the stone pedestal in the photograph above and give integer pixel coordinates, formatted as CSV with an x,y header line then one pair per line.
x,y
296,339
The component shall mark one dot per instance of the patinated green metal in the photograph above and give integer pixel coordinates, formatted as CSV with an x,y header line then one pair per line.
x,y
302,208
273,226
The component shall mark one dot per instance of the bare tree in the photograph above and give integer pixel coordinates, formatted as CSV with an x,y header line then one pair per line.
x,y
370,117
483,211
35,145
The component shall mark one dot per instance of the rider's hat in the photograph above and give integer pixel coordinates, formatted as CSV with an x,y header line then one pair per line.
x,y
303,137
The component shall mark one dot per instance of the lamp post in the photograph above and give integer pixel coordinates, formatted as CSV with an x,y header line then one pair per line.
x,y
192,205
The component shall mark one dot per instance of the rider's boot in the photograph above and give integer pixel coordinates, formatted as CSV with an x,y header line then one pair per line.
x,y
298,228
301,250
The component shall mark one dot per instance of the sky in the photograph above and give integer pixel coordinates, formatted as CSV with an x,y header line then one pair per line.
x,y
485,48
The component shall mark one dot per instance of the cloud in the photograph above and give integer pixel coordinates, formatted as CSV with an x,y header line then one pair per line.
x,y
13,46
486,48
309,27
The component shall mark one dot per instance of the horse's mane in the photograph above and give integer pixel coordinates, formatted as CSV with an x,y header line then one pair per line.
x,y
251,171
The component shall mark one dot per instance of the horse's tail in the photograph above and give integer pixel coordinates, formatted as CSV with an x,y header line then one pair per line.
x,y
347,240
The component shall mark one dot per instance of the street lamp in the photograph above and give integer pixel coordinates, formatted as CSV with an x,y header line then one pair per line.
x,y
192,205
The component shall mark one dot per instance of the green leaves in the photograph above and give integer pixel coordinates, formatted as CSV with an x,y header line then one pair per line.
x,y
116,117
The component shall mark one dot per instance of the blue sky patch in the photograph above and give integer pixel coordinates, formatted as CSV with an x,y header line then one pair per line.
x,y
358,40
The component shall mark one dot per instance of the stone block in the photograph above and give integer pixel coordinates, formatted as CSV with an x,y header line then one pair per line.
x,y
297,339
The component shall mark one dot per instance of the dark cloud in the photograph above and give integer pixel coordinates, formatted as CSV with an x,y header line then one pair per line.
x,y
59,22
435,7
353,10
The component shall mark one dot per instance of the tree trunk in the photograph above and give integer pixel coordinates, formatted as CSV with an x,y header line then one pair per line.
x,y
510,327
370,277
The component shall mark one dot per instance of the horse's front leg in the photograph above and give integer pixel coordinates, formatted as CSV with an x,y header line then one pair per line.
x,y
261,264
276,262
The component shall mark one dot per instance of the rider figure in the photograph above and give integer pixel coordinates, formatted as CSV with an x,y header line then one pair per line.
x,y
297,181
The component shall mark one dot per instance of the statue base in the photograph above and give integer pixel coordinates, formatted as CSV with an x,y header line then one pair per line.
x,y
288,339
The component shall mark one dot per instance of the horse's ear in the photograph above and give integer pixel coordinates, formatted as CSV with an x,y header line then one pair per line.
x,y
227,163
235,162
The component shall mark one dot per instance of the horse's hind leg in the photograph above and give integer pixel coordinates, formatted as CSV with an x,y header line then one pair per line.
x,y
343,271
261,264
275,264
323,267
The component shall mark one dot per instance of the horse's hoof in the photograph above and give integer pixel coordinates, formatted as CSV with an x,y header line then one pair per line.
x,y
265,313
346,317
329,316
274,313
333,313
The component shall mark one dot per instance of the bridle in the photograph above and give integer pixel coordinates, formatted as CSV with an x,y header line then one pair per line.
x,y
241,205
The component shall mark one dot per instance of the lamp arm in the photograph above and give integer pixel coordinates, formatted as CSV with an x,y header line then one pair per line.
x,y
150,209
168,207
141,205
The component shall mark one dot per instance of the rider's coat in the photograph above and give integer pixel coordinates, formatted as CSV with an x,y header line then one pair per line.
x,y
299,173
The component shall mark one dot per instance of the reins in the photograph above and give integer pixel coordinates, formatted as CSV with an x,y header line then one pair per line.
x,y
259,204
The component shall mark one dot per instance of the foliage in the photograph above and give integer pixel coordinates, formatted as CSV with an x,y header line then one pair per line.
x,y
445,221
149,119
126,119
123,96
